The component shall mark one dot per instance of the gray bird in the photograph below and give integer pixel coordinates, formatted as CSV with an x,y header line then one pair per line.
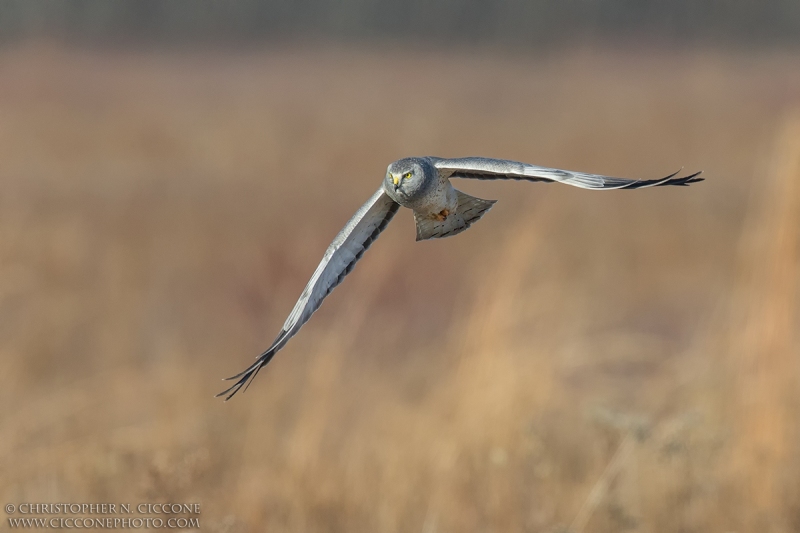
x,y
423,185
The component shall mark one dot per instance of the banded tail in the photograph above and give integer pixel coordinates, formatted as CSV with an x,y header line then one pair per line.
x,y
469,210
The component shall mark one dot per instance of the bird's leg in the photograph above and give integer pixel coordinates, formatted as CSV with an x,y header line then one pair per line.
x,y
441,215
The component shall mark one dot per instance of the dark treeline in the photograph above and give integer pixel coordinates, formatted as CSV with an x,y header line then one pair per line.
x,y
502,21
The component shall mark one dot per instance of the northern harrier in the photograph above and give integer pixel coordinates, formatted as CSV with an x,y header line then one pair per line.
x,y
423,185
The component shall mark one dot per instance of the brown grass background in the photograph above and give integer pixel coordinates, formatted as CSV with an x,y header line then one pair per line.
x,y
577,361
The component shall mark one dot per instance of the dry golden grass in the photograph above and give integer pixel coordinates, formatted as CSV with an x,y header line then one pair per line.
x,y
622,361
766,400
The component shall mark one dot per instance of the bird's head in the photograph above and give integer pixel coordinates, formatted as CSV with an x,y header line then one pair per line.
x,y
406,178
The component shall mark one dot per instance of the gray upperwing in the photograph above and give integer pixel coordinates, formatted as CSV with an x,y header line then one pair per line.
x,y
343,253
483,168
339,259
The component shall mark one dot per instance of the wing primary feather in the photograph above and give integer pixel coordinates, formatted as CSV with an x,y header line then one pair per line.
x,y
669,180
263,354
484,168
586,181
247,376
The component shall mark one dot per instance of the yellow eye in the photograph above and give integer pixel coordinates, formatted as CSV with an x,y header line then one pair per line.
x,y
407,175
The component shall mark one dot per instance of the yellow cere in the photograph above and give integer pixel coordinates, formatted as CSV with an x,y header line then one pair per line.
x,y
395,179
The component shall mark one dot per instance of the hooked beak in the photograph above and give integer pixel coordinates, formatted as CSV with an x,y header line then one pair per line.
x,y
396,181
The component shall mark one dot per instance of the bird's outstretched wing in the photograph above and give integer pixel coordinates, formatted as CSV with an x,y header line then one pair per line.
x,y
482,168
339,259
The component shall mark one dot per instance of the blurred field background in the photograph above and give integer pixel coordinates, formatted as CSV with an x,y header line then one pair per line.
x,y
577,361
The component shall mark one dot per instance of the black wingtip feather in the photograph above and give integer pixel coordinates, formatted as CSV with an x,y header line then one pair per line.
x,y
669,180
686,180
245,377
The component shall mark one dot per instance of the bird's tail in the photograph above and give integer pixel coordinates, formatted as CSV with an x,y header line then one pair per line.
x,y
469,210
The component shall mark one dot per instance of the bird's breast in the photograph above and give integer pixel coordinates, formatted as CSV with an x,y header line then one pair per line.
x,y
438,198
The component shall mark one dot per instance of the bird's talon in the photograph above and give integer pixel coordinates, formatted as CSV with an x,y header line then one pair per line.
x,y
442,215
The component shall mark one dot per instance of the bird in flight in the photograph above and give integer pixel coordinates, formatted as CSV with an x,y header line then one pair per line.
x,y
423,185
